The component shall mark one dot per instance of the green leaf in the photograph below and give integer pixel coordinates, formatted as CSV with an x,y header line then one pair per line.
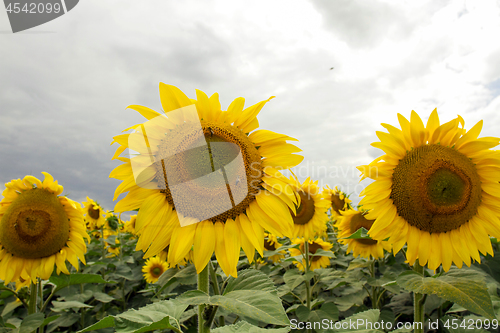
x,y
293,278
250,279
323,253
461,286
355,323
102,297
187,275
156,316
11,307
244,327
302,313
31,323
358,263
64,280
61,306
361,233
106,322
256,304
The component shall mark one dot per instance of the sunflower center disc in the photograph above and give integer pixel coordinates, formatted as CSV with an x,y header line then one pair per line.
x,y
312,249
220,171
93,213
156,272
436,188
305,211
359,221
268,246
35,225
337,203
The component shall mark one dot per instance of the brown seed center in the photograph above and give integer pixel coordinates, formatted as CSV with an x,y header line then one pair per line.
x,y
436,188
306,209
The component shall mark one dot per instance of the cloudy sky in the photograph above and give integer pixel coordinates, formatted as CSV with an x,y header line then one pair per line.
x,y
65,85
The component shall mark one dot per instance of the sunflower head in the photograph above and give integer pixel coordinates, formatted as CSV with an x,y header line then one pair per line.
x,y
129,226
38,228
351,222
310,214
314,245
153,269
208,174
93,213
271,243
435,188
340,201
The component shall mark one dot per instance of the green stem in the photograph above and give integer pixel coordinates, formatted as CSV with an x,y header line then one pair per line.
x,y
308,282
33,298
418,303
40,329
374,293
203,279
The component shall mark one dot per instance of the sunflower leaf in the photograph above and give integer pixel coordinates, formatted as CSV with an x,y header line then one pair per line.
x,y
462,286
62,281
250,279
31,323
243,326
358,323
156,316
361,233
261,305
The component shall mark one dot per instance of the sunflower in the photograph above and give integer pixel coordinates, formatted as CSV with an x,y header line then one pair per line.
x,y
314,245
130,225
271,244
310,217
153,269
350,222
222,172
340,201
94,214
39,228
436,189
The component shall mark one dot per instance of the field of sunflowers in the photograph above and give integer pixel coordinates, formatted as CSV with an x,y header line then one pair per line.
x,y
221,236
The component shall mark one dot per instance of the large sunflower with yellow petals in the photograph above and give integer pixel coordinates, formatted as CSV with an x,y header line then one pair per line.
x,y
153,269
39,229
340,201
314,245
94,214
310,217
436,189
195,154
349,223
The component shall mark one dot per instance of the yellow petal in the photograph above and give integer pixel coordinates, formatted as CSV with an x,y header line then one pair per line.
x,y
204,244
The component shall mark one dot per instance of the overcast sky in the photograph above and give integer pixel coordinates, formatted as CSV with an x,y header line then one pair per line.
x,y
65,85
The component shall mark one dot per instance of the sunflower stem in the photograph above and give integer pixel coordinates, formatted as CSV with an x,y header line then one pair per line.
x,y
33,298
418,303
308,282
374,293
32,308
203,285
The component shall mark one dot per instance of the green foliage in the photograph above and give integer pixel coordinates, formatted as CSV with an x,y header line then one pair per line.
x,y
109,294
464,287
